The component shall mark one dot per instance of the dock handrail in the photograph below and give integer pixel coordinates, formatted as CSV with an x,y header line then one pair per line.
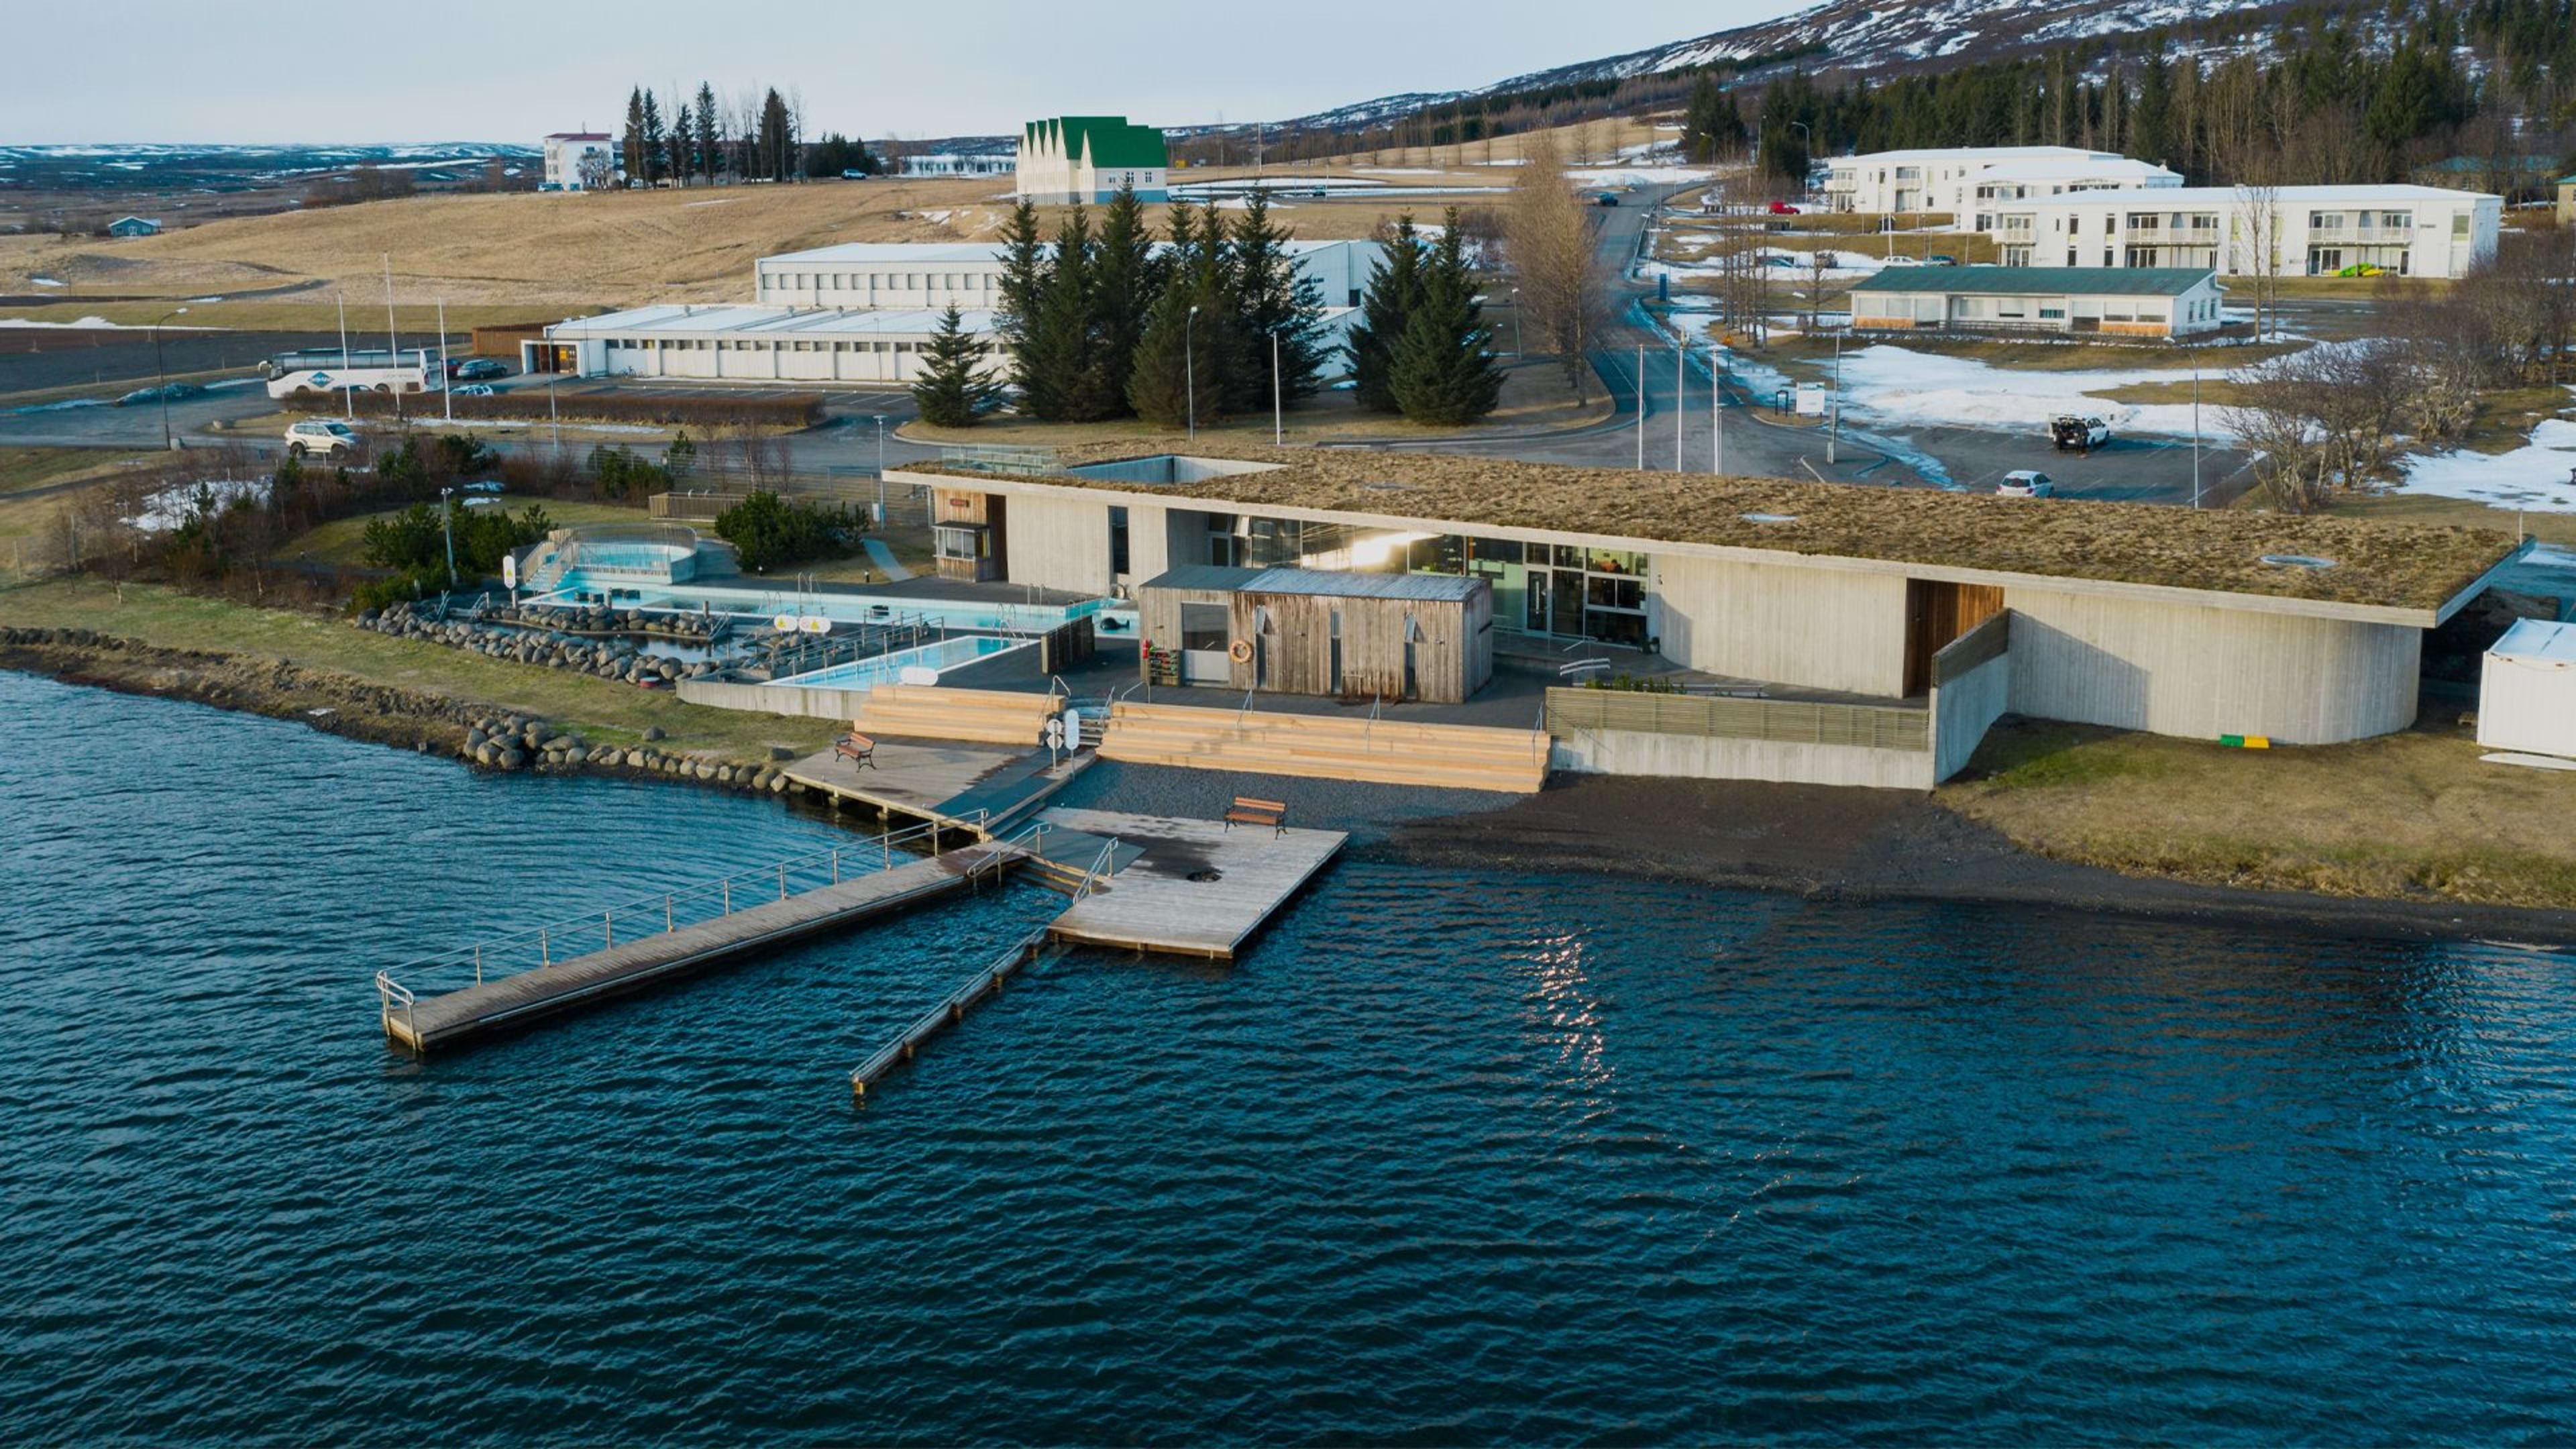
x,y
1030,946
534,947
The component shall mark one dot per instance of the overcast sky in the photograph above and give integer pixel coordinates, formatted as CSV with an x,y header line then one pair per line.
x,y
485,70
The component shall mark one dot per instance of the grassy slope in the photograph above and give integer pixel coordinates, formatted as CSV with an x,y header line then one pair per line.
x,y
2408,816
605,712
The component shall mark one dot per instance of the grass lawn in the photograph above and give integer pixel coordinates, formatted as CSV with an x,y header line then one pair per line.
x,y
23,470
2427,509
2406,816
1534,398
604,712
342,540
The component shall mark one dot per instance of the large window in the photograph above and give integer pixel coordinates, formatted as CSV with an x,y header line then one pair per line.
x,y
1203,628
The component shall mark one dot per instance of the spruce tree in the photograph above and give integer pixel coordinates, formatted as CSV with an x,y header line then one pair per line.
x,y
1202,269
1394,290
1060,337
710,139
953,390
631,145
652,141
1125,277
1173,355
1026,273
1444,369
1269,300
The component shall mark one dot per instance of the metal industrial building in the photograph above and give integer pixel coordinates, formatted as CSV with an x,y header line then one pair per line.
x,y
2304,630
2113,301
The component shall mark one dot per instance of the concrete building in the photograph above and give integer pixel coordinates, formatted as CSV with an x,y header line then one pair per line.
x,y
2314,231
969,274
743,344
2303,630
134,226
1090,158
580,161
960,163
2114,301
1965,181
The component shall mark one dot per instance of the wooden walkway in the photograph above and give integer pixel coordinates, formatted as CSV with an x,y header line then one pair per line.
x,y
981,788
1196,889
528,995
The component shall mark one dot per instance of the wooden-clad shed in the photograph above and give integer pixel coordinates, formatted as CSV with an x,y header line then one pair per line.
x,y
1308,631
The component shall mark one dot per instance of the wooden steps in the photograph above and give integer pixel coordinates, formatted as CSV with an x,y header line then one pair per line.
x,y
978,716
1318,747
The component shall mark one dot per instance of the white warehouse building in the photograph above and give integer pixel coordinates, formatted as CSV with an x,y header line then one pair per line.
x,y
1962,180
745,344
2314,231
969,274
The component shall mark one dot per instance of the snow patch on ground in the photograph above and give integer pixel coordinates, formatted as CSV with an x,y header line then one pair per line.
x,y
171,507
1895,384
719,201
1403,170
43,282
2539,476
95,324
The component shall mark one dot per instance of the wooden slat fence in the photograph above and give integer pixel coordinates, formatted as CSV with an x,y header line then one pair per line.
x,y
1874,727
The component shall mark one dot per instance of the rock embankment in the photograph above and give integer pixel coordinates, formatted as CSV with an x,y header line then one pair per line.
x,y
344,704
612,658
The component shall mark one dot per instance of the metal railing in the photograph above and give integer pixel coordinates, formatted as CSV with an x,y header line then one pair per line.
x,y
537,947
1822,722
1029,947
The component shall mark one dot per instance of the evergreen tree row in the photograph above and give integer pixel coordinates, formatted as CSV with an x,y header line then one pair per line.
x,y
704,141
1421,347
1103,323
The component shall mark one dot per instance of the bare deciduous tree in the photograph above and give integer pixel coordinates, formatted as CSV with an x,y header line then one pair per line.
x,y
1548,237
2254,243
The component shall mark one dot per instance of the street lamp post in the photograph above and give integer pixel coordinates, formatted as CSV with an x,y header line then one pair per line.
x,y
1516,322
1640,390
879,419
1834,426
1278,413
162,375
1811,146
447,522
2195,427
1190,369
446,378
1681,391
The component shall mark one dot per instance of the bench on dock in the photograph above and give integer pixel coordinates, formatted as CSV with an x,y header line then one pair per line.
x,y
857,748
1248,811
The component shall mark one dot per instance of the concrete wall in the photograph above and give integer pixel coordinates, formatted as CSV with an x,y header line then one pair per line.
x,y
1060,544
1963,709
1703,757
841,704
2199,672
1820,628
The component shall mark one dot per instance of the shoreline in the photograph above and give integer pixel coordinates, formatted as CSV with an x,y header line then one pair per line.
x,y
1813,842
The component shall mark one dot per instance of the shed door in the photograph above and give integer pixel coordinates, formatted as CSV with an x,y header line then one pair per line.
x,y
1937,613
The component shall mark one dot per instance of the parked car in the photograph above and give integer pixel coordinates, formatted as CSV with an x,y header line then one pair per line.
x,y
171,390
2073,433
484,486
1781,261
474,368
1605,199
475,389
1782,208
2023,483
1900,262
326,436
1938,260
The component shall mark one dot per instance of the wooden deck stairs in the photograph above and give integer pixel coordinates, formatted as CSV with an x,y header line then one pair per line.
x,y
1321,747
978,716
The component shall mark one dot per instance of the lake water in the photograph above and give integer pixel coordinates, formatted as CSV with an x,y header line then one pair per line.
x,y
1447,1157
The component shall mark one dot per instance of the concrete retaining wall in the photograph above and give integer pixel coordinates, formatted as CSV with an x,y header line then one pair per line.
x,y
775,698
1705,757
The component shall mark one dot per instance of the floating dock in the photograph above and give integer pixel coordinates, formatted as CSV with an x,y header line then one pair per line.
x,y
420,1023
1193,888
984,789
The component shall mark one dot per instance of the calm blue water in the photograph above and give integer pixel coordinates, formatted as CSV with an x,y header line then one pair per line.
x,y
1555,1159
887,668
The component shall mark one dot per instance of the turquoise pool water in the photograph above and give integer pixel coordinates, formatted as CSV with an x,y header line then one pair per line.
x,y
945,655
758,603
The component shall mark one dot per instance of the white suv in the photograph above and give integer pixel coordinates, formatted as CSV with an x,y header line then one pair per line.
x,y
323,436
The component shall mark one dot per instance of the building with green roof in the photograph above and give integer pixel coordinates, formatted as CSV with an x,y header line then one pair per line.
x,y
1090,158
2116,301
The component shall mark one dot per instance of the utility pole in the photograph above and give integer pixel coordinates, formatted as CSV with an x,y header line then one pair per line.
x,y
446,378
161,374
2195,427
447,521
348,399
1717,412
1681,392
393,347
880,422
1641,407
1278,415
1190,369
1834,425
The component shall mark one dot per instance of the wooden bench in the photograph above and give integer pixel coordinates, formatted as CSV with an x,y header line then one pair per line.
x,y
1248,811
858,748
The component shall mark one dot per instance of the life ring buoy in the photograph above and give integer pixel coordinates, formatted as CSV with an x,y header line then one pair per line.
x,y
1240,651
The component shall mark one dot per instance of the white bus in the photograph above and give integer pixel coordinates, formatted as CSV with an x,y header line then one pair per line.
x,y
322,372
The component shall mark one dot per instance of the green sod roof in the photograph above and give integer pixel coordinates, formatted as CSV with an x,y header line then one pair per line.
x,y
1105,141
2072,281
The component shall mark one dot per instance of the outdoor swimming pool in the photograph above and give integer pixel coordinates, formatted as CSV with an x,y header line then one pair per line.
x,y
938,658
757,603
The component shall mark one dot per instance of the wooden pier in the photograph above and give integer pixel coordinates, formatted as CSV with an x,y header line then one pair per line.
x,y
625,963
1197,888
985,789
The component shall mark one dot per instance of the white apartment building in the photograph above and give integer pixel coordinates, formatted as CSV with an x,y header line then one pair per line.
x,y
969,274
1089,158
1962,180
580,161
2311,231
960,163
